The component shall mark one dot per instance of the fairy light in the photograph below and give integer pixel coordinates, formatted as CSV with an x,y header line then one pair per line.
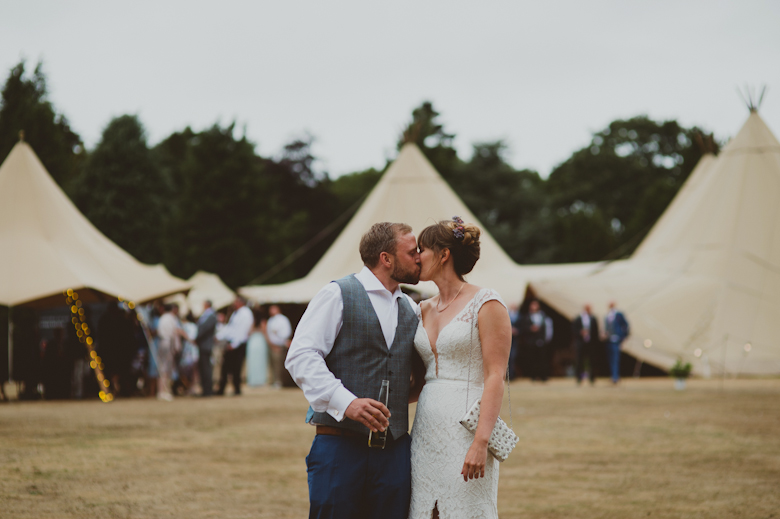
x,y
648,343
83,332
748,347
697,352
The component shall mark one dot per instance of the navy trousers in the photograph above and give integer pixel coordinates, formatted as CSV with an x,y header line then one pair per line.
x,y
350,480
613,356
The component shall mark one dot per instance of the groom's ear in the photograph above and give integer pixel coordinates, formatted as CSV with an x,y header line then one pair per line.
x,y
385,260
445,255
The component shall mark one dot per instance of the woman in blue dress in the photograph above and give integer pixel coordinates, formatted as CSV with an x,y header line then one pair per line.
x,y
257,352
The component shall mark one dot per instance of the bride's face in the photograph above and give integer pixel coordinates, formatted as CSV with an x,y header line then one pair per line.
x,y
428,263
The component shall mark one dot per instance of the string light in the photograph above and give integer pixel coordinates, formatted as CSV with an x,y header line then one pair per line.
x,y
697,352
648,343
82,332
748,347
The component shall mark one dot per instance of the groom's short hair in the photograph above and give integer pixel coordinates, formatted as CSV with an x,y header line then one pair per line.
x,y
381,237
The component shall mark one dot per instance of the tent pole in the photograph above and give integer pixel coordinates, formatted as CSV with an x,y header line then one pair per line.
x,y
10,347
723,378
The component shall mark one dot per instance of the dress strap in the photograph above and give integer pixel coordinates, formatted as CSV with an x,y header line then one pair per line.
x,y
482,297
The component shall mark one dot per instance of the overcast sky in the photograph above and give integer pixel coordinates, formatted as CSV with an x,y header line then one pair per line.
x,y
540,75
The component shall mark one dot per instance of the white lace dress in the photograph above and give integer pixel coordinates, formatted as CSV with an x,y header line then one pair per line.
x,y
439,442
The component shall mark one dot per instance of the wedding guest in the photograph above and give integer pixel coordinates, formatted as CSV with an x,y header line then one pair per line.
x,y
585,330
27,353
534,330
514,319
56,366
188,359
116,347
615,332
170,334
257,352
235,334
279,333
152,373
207,328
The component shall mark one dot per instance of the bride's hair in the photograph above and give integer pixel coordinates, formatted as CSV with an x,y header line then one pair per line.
x,y
462,239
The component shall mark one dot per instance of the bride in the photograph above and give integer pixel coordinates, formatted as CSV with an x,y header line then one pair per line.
x,y
464,340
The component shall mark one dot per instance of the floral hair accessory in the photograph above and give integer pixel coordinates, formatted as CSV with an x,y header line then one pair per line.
x,y
458,231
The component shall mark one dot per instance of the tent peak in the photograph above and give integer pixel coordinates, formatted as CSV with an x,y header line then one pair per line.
x,y
751,99
21,135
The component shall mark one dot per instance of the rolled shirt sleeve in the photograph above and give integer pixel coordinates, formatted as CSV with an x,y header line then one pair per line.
x,y
313,340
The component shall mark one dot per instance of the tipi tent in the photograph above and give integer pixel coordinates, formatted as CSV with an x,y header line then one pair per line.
x,y
205,286
411,191
47,246
705,283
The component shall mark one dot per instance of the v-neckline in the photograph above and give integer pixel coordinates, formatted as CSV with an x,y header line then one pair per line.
x,y
433,345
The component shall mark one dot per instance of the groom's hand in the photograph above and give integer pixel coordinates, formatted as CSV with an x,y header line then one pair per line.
x,y
369,412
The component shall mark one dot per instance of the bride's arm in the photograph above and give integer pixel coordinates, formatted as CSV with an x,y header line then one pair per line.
x,y
495,334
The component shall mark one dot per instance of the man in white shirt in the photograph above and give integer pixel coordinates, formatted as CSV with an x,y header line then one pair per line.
x,y
279,331
356,332
235,334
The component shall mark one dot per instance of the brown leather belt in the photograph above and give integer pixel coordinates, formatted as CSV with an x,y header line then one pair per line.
x,y
339,431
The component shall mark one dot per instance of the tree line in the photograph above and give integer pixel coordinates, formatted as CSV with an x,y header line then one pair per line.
x,y
206,200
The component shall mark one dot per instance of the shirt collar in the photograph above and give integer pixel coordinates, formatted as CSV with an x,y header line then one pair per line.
x,y
372,284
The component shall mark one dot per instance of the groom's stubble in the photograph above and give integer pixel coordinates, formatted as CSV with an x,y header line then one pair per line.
x,y
405,275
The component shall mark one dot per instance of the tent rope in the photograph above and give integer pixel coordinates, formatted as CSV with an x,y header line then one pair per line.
x,y
306,247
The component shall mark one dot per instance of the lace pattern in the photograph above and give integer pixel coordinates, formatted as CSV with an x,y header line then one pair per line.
x,y
439,442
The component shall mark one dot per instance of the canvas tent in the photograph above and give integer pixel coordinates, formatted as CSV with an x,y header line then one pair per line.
x,y
704,285
205,286
47,246
411,191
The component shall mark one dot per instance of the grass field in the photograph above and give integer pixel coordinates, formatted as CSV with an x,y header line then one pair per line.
x,y
635,451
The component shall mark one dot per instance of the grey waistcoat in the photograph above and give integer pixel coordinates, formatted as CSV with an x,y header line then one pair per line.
x,y
360,358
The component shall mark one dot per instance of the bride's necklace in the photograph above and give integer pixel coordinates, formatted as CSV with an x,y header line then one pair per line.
x,y
440,310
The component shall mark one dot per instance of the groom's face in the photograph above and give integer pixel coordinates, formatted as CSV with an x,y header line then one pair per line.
x,y
406,260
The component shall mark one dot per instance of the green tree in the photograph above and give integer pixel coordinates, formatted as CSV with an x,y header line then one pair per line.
x,y
351,188
618,186
239,215
300,201
425,130
510,204
122,191
24,106
214,203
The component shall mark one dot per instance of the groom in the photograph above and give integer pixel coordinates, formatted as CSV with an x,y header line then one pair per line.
x,y
357,331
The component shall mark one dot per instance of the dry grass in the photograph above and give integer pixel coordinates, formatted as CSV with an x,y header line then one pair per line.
x,y
640,450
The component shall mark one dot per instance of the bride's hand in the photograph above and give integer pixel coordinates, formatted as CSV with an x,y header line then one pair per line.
x,y
476,458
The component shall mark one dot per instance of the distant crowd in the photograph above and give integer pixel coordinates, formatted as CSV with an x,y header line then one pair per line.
x,y
153,351
596,349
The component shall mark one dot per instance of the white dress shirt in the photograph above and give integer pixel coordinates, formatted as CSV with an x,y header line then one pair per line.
x,y
166,331
279,330
236,331
317,331
585,318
